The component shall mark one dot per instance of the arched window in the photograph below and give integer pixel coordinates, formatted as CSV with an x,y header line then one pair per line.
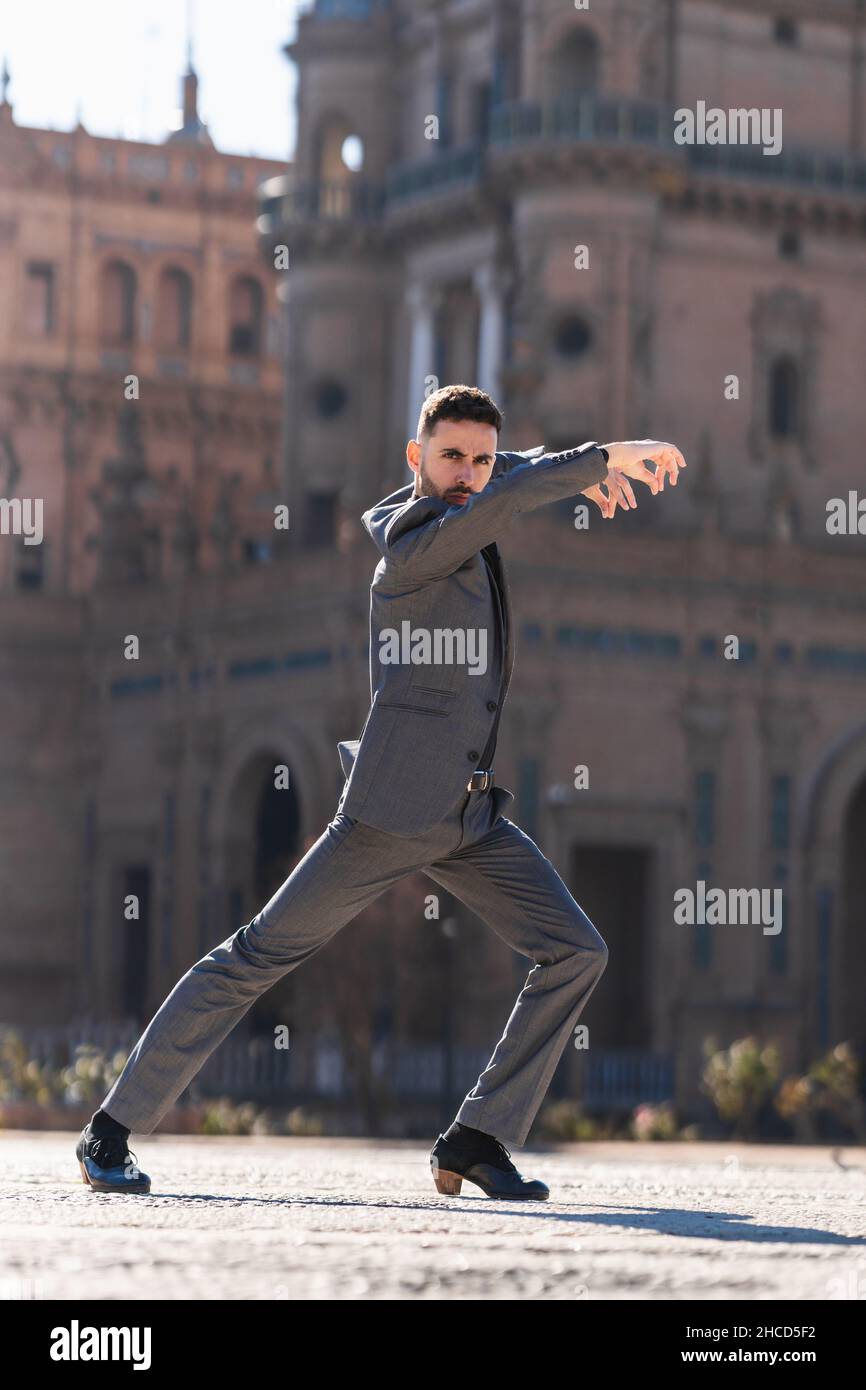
x,y
174,310
784,398
574,66
339,162
245,317
117,301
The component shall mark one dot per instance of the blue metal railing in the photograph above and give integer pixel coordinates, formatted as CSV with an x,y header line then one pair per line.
x,y
587,117
815,168
621,1078
445,170
590,118
323,201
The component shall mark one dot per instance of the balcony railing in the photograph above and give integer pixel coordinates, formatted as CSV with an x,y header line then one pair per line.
x,y
440,171
323,201
514,125
619,119
814,168
588,117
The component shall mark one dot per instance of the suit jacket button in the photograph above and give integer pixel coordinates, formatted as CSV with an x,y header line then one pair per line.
x,y
472,755
491,704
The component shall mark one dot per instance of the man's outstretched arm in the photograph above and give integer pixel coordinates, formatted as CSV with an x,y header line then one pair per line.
x,y
429,538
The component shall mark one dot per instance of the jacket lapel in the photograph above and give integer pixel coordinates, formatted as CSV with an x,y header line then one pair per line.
x,y
498,567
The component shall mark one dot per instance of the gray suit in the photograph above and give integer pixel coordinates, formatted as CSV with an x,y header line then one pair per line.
x,y
405,807
428,723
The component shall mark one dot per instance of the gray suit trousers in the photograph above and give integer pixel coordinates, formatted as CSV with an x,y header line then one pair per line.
x,y
486,862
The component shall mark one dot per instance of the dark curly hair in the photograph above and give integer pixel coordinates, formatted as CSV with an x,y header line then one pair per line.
x,y
458,403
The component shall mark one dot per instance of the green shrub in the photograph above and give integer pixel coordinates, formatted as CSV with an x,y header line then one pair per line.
x,y
739,1080
832,1085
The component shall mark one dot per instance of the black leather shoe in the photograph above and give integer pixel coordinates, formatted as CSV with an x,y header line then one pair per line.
x,y
107,1165
488,1164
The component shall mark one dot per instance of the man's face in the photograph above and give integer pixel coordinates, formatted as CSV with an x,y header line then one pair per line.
x,y
455,461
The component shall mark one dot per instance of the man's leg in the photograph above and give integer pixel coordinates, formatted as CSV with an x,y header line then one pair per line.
x,y
347,868
508,882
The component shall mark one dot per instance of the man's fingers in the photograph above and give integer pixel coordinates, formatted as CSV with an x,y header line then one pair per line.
x,y
646,475
598,497
666,461
661,460
671,461
616,487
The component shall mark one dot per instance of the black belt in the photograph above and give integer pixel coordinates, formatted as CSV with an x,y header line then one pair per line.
x,y
481,780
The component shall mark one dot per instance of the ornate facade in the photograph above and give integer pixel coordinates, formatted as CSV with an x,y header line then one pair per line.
x,y
484,191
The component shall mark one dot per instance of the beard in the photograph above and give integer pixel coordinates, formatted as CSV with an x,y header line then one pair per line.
x,y
425,487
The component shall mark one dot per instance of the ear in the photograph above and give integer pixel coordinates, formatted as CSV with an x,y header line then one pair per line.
x,y
413,454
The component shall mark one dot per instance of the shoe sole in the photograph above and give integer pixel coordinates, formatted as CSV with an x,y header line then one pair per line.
x,y
449,1185
135,1185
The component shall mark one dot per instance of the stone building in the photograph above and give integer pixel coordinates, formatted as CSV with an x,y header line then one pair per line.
x,y
487,191
493,143
140,403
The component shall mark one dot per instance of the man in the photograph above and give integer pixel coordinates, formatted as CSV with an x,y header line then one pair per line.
x,y
419,795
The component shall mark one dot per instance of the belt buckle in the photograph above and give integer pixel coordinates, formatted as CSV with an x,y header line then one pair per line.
x,y
486,774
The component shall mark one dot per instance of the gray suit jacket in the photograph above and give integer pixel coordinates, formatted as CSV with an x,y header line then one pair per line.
x,y
433,699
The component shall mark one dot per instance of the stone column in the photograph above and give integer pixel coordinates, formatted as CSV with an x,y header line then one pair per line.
x,y
422,301
490,287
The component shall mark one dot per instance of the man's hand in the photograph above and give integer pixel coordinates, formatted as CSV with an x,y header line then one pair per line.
x,y
629,459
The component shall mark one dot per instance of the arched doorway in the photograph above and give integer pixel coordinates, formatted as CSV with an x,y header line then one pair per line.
x,y
262,848
850,1011
264,841
834,896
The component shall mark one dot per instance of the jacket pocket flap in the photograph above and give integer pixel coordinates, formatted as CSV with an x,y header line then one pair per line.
x,y
348,751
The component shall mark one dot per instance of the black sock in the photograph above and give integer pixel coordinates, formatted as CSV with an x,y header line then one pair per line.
x,y
458,1131
102,1125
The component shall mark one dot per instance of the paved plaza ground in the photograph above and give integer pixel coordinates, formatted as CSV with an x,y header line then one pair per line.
x,y
287,1218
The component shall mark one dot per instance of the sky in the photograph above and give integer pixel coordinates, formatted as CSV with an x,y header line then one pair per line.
x,y
120,62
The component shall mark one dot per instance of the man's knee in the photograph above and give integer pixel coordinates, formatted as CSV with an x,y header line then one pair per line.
x,y
589,940
581,945
590,944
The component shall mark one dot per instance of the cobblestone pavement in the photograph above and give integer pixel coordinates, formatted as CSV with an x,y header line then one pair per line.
x,y
273,1218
